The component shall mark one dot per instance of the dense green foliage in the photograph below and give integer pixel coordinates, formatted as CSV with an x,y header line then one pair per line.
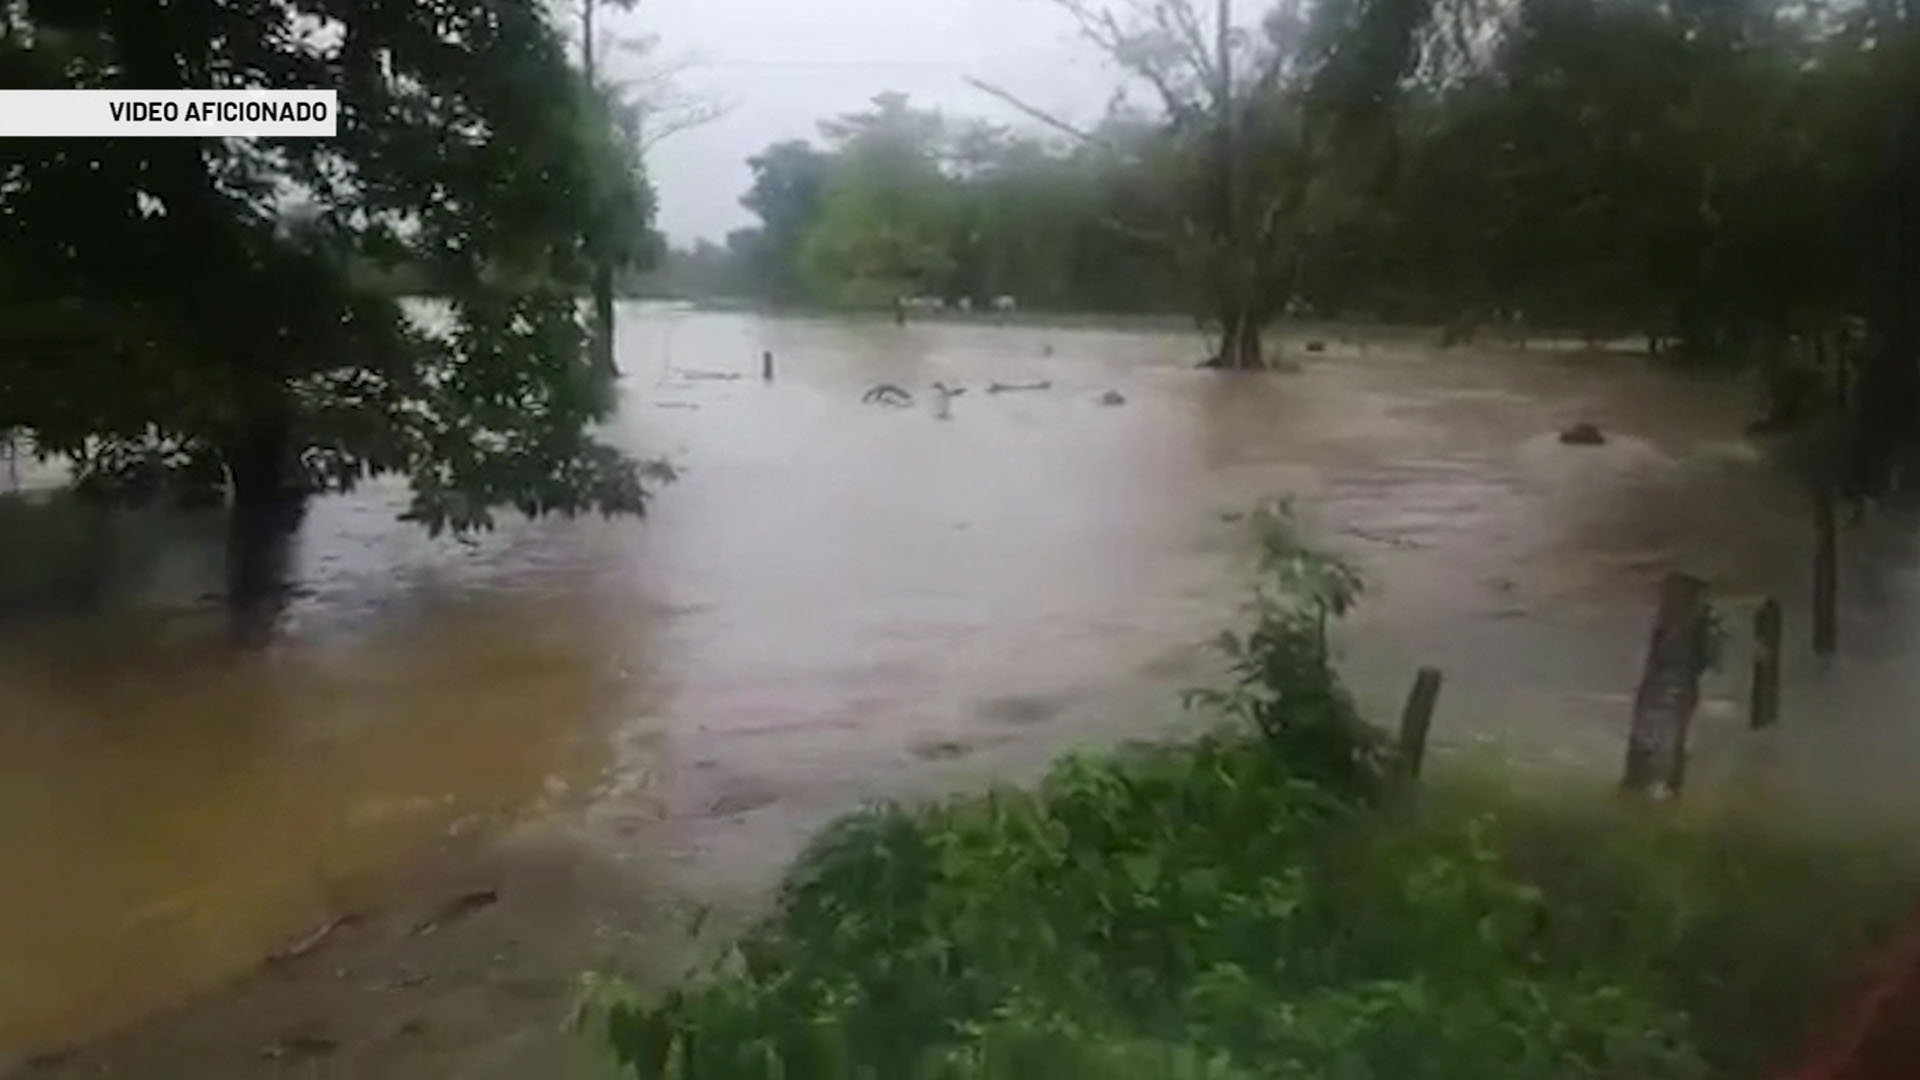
x,y
1268,901
215,304
1700,171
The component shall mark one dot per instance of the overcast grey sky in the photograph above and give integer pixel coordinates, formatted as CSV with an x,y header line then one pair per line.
x,y
786,64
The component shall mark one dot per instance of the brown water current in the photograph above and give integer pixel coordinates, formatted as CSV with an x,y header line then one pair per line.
x,y
841,601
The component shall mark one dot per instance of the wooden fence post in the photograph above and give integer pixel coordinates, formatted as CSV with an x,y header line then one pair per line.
x,y
1417,719
1764,706
1669,688
1826,574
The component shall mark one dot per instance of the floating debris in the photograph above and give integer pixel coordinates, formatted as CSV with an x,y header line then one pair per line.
x,y
300,1047
710,375
1112,397
458,908
735,803
887,394
1583,434
310,940
940,749
404,978
1002,388
943,410
1381,538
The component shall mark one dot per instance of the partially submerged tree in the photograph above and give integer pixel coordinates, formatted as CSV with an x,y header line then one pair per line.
x,y
1270,132
645,107
168,308
604,233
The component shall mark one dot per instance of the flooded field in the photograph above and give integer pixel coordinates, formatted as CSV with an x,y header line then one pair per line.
x,y
842,600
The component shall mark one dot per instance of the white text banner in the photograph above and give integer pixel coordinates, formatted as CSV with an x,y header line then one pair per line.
x,y
175,114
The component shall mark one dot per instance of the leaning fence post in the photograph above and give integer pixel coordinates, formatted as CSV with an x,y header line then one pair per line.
x,y
1417,719
1764,706
1669,688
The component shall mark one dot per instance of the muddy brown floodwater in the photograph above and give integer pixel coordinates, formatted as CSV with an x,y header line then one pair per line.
x,y
605,725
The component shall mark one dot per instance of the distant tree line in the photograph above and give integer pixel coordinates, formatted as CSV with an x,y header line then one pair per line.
x,y
1701,171
1736,180
902,201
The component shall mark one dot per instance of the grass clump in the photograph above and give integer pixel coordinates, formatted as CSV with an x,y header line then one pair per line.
x,y
1260,902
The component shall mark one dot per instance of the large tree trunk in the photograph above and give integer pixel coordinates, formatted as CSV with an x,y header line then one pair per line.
x,y
268,503
603,361
1669,688
1240,324
1240,347
603,321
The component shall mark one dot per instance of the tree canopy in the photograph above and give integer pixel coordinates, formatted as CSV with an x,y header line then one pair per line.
x,y
177,301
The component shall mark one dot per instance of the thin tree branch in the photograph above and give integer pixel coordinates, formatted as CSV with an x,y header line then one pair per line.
x,y
1179,109
1104,31
697,114
1131,232
1036,112
1186,28
1099,27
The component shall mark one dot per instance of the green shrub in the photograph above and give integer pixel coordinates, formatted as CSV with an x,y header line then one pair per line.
x,y
1282,680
